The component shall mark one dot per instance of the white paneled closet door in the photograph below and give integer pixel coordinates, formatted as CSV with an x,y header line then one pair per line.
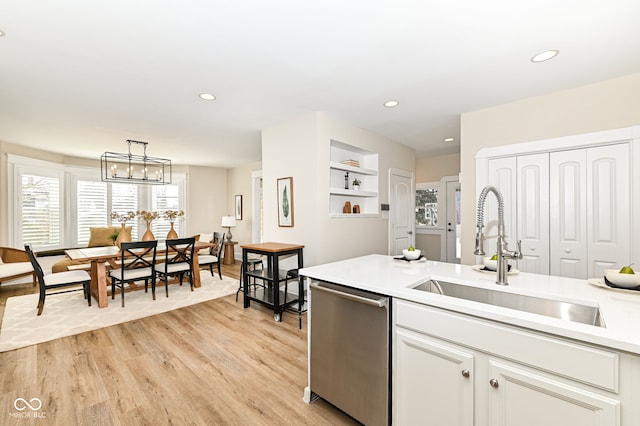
x,y
589,211
533,213
568,213
502,175
608,207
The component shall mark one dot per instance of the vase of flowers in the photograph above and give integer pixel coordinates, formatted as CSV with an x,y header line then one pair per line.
x,y
148,217
123,218
171,216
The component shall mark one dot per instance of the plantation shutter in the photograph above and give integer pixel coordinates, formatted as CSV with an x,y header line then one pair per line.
x,y
92,208
124,198
165,197
40,210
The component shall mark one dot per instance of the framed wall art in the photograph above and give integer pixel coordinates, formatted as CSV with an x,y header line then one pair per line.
x,y
285,201
238,207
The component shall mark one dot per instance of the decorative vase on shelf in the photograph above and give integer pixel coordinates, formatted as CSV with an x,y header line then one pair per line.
x,y
123,235
148,235
172,233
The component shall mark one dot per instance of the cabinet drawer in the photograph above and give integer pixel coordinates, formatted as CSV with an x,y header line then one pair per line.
x,y
590,365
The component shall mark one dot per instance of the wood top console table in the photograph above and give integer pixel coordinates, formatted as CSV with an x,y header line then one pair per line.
x,y
270,295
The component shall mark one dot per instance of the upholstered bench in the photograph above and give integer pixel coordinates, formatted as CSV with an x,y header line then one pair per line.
x,y
100,237
15,263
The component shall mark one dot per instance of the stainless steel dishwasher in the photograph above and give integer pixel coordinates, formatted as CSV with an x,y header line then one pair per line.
x,y
349,346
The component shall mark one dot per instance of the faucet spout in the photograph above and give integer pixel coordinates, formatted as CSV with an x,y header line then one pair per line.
x,y
501,246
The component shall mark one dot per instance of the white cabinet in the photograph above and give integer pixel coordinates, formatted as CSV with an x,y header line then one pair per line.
x,y
520,397
454,369
347,164
571,205
433,379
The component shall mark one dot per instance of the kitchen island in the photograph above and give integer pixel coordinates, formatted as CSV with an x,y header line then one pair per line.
x,y
463,362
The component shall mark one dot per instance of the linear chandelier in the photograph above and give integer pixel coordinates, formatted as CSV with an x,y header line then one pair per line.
x,y
132,168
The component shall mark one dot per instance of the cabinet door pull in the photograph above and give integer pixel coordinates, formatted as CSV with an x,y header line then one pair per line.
x,y
493,383
465,373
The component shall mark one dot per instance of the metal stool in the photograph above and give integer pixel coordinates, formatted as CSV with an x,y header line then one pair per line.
x,y
251,263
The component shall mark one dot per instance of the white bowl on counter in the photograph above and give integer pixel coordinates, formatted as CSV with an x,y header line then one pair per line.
x,y
622,280
411,255
490,264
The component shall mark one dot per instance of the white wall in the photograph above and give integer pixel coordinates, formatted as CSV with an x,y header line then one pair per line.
x,y
606,105
300,148
207,199
432,169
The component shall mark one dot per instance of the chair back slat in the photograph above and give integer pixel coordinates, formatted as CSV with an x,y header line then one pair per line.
x,y
180,250
138,254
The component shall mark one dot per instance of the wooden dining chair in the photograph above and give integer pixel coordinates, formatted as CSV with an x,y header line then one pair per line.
x,y
53,283
137,263
178,260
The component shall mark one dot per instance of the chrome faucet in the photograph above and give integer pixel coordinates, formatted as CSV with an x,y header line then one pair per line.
x,y
503,253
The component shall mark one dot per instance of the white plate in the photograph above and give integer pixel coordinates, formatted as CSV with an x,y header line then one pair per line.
x,y
422,258
599,282
482,268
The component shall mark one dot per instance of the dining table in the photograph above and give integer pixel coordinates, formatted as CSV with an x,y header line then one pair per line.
x,y
101,257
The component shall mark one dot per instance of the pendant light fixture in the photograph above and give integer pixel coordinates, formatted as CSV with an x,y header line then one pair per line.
x,y
135,168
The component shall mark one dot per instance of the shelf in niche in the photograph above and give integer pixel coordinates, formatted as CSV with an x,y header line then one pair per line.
x,y
351,169
340,173
352,193
353,215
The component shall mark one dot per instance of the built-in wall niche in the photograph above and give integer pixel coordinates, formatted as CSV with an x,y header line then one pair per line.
x,y
348,165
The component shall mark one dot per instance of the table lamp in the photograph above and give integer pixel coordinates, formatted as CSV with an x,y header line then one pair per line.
x,y
228,222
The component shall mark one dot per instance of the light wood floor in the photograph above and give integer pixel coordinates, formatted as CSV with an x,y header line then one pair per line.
x,y
214,363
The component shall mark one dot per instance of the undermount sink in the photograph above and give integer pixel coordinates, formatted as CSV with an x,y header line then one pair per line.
x,y
536,305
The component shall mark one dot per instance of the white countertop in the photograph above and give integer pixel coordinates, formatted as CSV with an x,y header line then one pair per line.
x,y
396,278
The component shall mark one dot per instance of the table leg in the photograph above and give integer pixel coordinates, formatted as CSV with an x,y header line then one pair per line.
x,y
245,279
277,312
99,282
195,270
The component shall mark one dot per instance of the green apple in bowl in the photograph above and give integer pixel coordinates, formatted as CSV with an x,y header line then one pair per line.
x,y
627,270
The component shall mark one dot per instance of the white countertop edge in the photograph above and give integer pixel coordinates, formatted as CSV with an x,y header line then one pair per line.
x,y
383,275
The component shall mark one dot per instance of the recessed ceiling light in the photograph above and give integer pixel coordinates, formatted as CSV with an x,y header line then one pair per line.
x,y
449,139
545,56
207,96
391,104
1,33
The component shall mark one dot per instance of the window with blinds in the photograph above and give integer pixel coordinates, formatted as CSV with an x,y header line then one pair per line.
x,y
92,208
53,212
40,210
164,198
125,198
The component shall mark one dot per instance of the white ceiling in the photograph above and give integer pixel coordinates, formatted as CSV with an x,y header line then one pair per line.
x,y
80,77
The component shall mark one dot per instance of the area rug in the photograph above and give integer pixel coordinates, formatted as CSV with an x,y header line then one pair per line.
x,y
68,314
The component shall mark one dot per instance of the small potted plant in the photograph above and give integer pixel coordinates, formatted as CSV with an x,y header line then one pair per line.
x,y
356,184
